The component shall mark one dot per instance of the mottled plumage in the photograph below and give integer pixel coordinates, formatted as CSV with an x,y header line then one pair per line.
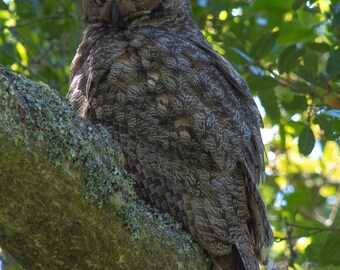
x,y
184,118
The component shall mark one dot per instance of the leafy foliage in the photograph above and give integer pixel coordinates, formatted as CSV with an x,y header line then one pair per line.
x,y
289,53
38,38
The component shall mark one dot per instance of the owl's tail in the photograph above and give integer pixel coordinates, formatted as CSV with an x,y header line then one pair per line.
x,y
242,257
231,261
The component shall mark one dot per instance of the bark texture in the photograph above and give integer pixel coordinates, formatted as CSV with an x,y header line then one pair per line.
x,y
64,201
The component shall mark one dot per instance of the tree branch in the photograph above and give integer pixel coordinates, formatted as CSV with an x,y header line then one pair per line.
x,y
64,202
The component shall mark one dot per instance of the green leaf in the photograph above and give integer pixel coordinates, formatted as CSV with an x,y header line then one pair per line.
x,y
303,197
264,88
325,122
289,58
333,64
297,103
294,32
326,253
311,60
336,12
274,6
264,45
258,84
5,15
318,47
269,102
306,141
298,3
305,88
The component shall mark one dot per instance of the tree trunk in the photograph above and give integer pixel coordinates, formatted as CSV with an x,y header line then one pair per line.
x,y
64,200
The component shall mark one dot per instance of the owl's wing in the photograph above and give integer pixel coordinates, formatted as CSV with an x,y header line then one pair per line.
x,y
252,149
189,130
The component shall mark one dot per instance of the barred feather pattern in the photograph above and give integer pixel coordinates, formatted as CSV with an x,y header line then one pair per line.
x,y
186,122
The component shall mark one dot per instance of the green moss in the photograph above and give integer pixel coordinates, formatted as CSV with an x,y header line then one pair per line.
x,y
49,120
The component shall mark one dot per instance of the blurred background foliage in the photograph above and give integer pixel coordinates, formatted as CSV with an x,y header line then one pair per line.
x,y
289,53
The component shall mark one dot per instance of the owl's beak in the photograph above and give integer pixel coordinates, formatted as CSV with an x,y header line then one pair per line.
x,y
115,14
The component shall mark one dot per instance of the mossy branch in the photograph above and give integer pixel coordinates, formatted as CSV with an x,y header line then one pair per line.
x,y
64,202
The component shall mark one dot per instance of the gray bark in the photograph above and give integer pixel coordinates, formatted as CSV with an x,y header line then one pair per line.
x,y
65,202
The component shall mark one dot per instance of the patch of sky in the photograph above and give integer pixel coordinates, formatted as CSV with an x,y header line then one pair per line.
x,y
262,21
202,3
237,11
280,200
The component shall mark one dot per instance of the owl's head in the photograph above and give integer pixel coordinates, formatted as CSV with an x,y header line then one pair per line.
x,y
118,12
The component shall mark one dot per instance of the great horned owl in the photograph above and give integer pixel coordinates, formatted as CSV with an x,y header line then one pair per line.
x,y
184,118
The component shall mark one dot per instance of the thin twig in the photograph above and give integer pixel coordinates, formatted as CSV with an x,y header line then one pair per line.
x,y
290,243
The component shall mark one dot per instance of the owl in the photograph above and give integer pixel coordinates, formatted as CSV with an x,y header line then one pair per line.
x,y
184,118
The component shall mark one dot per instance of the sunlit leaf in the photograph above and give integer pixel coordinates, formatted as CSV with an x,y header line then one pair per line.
x,y
23,53
5,15
331,152
324,5
326,191
302,243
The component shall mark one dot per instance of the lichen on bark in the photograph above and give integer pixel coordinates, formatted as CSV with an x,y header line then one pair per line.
x,y
61,187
